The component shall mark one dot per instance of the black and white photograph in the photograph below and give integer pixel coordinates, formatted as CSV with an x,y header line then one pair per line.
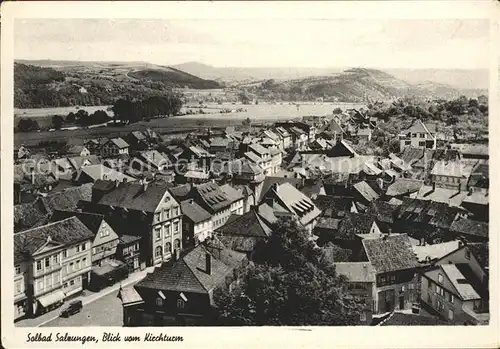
x,y
228,172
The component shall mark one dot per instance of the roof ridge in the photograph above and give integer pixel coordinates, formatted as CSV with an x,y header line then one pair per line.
x,y
45,225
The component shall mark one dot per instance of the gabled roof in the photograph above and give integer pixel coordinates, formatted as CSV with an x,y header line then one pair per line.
x,y
355,223
295,202
390,253
382,211
119,142
181,192
459,282
188,274
138,135
452,169
212,196
99,171
334,206
404,319
134,196
419,127
248,224
27,216
232,193
366,191
435,251
403,186
67,231
253,157
194,212
155,158
270,181
78,161
91,220
452,197
67,199
470,227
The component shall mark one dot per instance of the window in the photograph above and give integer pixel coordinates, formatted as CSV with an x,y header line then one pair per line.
x,y
414,135
49,281
158,251
177,244
103,224
56,259
19,287
84,262
158,233
450,314
84,246
168,247
422,135
421,144
180,304
47,262
166,213
71,266
451,298
39,285
78,265
18,269
440,278
467,253
393,278
65,285
93,250
38,265
167,229
159,302
65,253
72,282
77,248
362,316
157,217
176,227
56,277
440,306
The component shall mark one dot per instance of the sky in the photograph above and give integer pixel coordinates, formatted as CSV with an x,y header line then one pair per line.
x,y
376,43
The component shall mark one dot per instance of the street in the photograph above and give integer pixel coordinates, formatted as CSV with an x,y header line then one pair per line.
x,y
106,311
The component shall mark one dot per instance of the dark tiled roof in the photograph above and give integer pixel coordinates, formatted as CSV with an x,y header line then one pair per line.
x,y
430,212
366,191
133,196
194,212
188,274
328,223
91,220
67,231
248,224
355,223
390,253
27,216
67,199
181,192
119,142
481,252
334,206
382,211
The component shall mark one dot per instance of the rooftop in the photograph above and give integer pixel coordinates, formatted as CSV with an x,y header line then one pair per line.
x,y
390,253
194,212
356,271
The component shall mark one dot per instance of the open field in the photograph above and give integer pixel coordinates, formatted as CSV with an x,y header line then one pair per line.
x,y
162,126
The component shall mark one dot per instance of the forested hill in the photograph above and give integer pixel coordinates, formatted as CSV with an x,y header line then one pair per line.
x,y
96,83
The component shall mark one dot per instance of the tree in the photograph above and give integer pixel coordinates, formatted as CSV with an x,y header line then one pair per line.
x,y
337,111
71,117
292,284
27,125
57,121
247,122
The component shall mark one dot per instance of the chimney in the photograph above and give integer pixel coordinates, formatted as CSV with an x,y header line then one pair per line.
x,y
208,263
433,187
459,188
145,185
191,201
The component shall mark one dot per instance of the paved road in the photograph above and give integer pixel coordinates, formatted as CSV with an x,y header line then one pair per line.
x,y
106,311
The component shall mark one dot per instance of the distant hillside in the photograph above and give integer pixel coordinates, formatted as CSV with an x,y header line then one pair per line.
x,y
48,83
353,85
463,79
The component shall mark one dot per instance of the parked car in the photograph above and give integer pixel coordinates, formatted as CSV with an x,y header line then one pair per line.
x,y
73,308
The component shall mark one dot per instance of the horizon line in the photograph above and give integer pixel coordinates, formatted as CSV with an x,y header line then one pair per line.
x,y
243,67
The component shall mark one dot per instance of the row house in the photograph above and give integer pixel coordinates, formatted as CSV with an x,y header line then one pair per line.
x,y
52,263
285,136
197,223
236,197
265,158
395,266
287,201
105,242
182,292
361,279
128,251
419,135
456,286
147,210
451,174
114,147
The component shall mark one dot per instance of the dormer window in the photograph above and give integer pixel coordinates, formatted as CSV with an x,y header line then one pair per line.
x,y
440,278
159,302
